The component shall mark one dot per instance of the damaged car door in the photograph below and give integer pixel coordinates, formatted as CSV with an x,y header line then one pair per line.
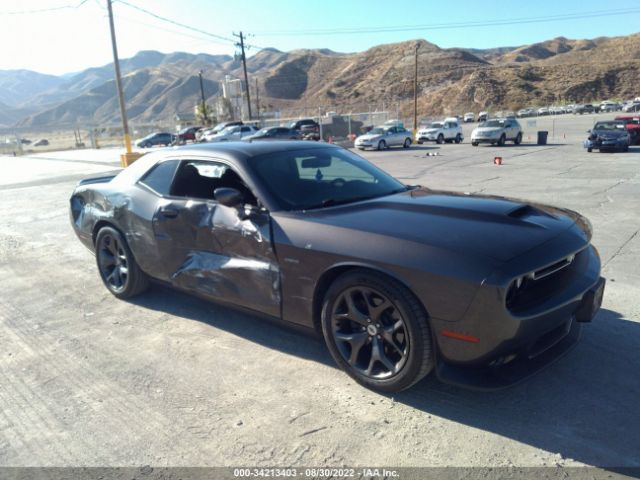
x,y
218,251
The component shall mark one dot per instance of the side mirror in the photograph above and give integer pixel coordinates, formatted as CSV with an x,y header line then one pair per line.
x,y
229,197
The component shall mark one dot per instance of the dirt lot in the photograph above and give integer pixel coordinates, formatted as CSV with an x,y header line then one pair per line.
x,y
170,380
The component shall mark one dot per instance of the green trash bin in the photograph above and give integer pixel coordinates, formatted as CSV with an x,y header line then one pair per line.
x,y
542,137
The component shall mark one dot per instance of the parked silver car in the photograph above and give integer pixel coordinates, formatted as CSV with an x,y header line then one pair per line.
x,y
497,131
230,134
383,137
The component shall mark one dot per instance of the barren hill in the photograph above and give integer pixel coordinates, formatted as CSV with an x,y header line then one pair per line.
x,y
453,80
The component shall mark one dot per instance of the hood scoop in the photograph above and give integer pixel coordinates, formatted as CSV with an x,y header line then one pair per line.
x,y
524,211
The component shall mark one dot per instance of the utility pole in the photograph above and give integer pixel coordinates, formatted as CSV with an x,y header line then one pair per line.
x,y
415,94
116,65
244,67
257,99
204,105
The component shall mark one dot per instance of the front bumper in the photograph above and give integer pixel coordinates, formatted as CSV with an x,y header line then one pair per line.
x,y
484,139
605,144
510,347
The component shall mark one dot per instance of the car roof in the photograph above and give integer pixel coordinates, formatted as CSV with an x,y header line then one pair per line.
x,y
246,149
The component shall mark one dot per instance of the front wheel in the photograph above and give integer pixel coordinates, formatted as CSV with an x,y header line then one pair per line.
x,y
502,140
118,269
458,138
589,150
475,144
440,139
518,139
377,331
407,143
382,145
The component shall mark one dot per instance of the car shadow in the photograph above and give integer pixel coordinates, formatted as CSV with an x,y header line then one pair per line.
x,y
585,407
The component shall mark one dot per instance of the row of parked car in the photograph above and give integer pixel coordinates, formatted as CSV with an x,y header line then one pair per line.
x,y
307,129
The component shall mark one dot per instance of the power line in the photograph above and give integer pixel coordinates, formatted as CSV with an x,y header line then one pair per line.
x,y
168,20
43,10
188,27
440,26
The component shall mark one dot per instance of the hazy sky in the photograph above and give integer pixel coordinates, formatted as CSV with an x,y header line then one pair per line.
x,y
71,39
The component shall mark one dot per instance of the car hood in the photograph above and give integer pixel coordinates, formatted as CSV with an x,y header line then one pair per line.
x,y
486,130
369,137
429,130
495,227
610,133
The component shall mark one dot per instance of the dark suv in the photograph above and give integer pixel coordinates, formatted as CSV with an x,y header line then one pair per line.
x,y
306,125
586,108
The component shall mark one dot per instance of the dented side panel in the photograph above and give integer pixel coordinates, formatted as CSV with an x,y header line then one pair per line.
x,y
208,248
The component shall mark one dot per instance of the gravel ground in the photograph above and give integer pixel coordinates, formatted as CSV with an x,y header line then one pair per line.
x,y
171,380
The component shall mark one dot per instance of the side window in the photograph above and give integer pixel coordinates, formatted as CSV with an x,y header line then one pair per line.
x,y
159,178
199,179
245,129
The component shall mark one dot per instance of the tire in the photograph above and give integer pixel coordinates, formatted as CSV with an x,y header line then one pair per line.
x,y
420,142
589,150
518,139
626,148
398,332
502,140
458,138
382,145
475,144
407,143
148,145
112,256
440,139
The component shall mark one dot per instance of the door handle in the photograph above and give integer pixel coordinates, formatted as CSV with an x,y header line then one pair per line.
x,y
168,212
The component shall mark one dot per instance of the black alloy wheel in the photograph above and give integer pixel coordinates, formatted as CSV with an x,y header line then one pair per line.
x,y
118,269
377,331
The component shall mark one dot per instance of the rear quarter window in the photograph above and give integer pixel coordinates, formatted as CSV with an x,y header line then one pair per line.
x,y
160,177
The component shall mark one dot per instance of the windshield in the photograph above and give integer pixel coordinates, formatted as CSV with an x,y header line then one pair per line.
x,y
377,131
492,123
321,177
435,125
609,126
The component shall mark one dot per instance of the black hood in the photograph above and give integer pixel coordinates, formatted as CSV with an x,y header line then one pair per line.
x,y
496,227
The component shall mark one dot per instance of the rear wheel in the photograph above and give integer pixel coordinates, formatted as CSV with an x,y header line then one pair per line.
x,y
382,145
475,144
118,269
377,331
407,143
458,138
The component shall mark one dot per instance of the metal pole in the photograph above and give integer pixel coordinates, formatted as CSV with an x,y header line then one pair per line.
x,y
415,94
204,105
246,78
320,122
116,66
257,99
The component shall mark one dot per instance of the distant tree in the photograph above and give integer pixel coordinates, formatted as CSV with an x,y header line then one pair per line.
x,y
205,114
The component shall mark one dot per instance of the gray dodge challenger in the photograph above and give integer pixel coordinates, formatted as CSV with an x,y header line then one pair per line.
x,y
401,281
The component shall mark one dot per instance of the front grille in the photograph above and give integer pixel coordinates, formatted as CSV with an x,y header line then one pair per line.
x,y
551,269
546,283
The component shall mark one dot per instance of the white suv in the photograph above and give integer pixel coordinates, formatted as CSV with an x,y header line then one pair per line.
x,y
448,131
